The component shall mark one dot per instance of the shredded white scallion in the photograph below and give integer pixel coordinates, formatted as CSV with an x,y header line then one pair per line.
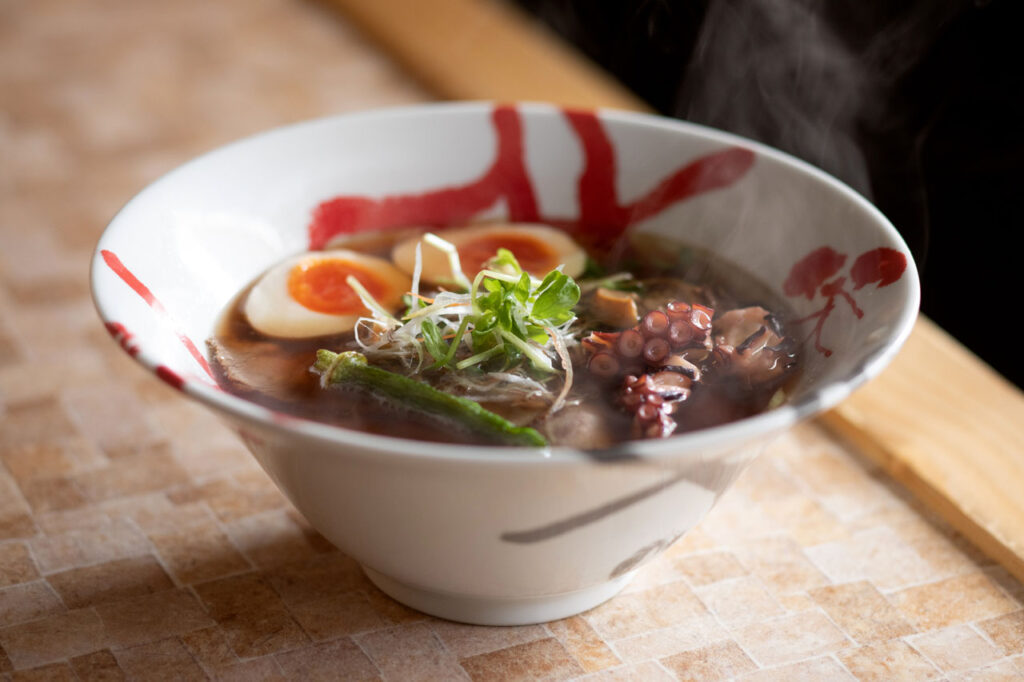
x,y
453,257
370,302
384,337
563,354
417,271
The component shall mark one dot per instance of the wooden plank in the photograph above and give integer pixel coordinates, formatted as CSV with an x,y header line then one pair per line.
x,y
938,419
951,430
485,50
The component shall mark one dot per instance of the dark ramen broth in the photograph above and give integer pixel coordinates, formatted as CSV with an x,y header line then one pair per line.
x,y
275,372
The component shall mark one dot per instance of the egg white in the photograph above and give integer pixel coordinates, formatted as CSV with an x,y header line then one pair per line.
x,y
271,310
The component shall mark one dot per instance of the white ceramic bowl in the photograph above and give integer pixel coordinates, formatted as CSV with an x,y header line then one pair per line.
x,y
501,535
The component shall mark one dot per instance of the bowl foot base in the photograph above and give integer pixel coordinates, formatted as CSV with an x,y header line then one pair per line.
x,y
484,611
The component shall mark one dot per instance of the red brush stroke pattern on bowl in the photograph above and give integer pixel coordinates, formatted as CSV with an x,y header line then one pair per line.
x,y
600,211
124,337
811,275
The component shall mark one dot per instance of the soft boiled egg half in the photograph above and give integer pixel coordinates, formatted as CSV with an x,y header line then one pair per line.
x,y
538,248
308,295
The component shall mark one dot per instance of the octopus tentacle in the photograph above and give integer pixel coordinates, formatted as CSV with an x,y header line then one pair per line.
x,y
658,362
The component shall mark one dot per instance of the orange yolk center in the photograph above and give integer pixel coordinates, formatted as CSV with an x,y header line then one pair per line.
x,y
533,255
320,286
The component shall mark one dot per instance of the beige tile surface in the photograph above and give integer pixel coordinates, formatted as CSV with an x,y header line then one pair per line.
x,y
893,659
718,661
139,540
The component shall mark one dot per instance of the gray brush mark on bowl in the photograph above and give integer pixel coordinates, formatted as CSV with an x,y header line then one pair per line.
x,y
641,556
711,475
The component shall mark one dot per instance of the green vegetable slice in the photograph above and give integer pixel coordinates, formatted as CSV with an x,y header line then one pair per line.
x,y
350,368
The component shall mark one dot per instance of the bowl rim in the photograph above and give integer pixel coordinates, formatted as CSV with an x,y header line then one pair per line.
x,y
748,429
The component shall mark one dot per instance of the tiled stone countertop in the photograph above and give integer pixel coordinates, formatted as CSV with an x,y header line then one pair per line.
x,y
139,540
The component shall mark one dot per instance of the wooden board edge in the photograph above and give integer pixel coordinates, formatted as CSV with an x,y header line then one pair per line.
x,y
921,487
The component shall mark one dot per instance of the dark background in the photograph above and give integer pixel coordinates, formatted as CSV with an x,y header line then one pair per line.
x,y
918,105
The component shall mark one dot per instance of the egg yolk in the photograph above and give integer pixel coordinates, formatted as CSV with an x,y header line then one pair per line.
x,y
533,255
320,286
